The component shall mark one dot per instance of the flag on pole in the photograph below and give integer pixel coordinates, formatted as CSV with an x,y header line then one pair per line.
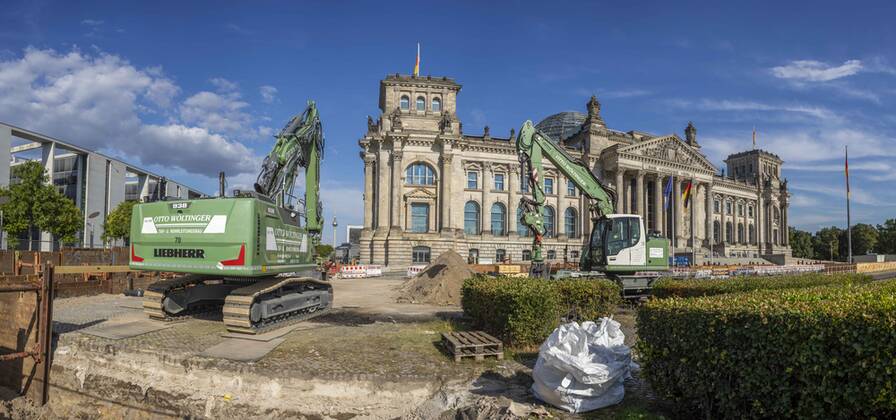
x,y
846,171
667,193
417,63
848,220
686,195
754,137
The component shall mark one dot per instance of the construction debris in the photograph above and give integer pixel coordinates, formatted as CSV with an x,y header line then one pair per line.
x,y
439,283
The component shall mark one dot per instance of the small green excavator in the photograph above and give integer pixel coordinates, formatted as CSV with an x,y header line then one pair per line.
x,y
619,247
253,252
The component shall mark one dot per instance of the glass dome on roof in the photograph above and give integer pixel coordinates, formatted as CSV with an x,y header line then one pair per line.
x,y
563,125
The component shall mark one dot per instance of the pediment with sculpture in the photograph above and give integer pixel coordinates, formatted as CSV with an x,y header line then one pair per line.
x,y
668,149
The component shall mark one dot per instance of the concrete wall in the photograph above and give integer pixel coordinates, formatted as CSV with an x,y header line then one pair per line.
x,y
5,155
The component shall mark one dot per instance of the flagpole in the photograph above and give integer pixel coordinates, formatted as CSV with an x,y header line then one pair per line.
x,y
848,220
673,211
693,226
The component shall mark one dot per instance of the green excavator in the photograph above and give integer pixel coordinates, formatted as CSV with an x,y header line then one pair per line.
x,y
619,247
252,253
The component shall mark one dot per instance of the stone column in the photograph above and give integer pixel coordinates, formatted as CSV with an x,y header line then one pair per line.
x,y
760,221
723,232
382,191
369,160
710,231
677,205
659,211
396,187
785,233
445,197
485,211
620,190
513,183
639,187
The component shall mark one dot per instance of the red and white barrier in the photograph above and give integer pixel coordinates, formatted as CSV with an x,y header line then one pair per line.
x,y
414,270
360,271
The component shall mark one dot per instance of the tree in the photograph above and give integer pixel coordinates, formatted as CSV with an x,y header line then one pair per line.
x,y
32,202
826,243
864,240
118,222
886,242
323,250
801,243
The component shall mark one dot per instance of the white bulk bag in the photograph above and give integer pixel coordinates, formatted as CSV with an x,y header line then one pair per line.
x,y
582,367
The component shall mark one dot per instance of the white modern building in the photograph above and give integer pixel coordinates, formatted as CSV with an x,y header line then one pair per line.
x,y
95,182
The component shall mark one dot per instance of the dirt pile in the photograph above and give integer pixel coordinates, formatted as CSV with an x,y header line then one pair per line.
x,y
439,283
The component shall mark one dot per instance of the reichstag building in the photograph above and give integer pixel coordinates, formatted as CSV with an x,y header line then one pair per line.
x,y
429,187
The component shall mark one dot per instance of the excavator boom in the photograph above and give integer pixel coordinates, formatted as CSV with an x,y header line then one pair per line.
x,y
618,242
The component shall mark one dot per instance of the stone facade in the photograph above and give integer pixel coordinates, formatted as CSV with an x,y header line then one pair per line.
x,y
428,187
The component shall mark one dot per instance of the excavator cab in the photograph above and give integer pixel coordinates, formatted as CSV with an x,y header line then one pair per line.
x,y
619,243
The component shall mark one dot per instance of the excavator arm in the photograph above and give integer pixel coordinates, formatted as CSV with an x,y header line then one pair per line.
x,y
532,146
299,145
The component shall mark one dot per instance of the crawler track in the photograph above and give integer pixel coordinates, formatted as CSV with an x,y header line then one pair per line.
x,y
238,305
155,294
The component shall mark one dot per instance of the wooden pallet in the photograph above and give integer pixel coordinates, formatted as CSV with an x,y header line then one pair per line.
x,y
475,344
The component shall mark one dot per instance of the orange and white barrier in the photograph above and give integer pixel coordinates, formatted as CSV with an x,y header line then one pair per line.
x,y
414,270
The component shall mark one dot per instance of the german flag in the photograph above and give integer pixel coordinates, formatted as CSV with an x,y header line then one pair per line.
x,y
686,195
417,64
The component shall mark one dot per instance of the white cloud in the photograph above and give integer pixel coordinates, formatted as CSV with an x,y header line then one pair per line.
x,y
224,85
216,112
816,71
268,93
92,22
742,105
857,195
101,101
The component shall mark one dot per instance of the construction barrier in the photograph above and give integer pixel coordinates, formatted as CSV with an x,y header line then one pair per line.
x,y
360,271
875,266
414,270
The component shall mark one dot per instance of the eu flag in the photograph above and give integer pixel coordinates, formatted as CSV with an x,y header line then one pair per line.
x,y
667,193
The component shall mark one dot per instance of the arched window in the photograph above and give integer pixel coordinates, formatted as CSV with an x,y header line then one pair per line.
x,y
500,255
716,232
729,232
498,216
419,174
471,218
777,216
571,222
548,215
405,102
421,254
436,105
421,103
752,233
741,238
552,255
521,228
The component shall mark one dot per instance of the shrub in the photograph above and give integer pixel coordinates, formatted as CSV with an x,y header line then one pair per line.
x,y
588,299
820,352
667,287
524,311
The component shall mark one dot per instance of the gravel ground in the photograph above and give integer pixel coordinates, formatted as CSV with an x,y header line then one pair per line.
x,y
371,357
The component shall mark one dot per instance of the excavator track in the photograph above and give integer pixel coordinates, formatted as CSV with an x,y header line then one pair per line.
x,y
274,303
155,293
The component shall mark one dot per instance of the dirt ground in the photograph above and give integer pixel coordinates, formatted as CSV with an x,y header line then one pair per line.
x,y
369,358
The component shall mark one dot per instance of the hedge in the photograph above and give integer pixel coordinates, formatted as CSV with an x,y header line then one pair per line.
x,y
667,287
524,311
820,352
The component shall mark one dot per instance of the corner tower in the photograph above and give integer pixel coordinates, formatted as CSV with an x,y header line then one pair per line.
x,y
419,103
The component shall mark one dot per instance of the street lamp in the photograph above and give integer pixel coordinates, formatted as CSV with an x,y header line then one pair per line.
x,y
91,216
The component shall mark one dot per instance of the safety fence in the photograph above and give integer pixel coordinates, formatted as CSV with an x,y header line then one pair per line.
x,y
359,271
875,267
414,270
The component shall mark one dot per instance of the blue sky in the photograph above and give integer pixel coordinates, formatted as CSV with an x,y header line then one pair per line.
x,y
188,88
